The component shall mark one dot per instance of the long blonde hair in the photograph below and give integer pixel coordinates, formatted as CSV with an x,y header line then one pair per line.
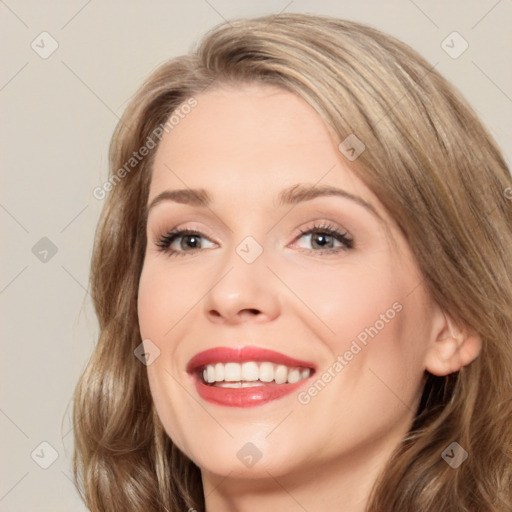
x,y
440,176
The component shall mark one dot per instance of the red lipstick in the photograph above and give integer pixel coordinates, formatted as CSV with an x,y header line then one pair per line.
x,y
240,355
244,396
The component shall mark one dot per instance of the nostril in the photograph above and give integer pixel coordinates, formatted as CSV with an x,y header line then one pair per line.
x,y
249,312
241,313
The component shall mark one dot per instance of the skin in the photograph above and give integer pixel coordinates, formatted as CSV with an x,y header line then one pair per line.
x,y
244,145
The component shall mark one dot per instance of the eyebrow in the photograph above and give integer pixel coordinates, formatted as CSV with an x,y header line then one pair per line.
x,y
290,196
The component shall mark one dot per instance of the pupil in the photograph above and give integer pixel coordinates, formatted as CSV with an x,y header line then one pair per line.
x,y
192,240
322,237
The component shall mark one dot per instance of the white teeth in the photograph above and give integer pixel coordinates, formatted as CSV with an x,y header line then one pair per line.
x,y
252,373
219,371
239,384
232,372
266,372
210,373
281,374
294,375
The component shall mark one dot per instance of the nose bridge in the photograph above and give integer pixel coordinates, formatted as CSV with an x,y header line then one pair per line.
x,y
243,282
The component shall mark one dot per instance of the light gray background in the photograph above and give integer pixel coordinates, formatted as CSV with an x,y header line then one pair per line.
x,y
57,118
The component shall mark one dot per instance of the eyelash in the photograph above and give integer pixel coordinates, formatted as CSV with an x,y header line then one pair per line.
x,y
164,242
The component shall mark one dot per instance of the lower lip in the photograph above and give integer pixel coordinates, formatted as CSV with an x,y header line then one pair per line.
x,y
245,397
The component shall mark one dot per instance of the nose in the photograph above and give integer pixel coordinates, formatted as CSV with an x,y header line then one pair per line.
x,y
243,292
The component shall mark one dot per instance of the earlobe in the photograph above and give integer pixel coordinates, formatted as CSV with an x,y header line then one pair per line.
x,y
452,349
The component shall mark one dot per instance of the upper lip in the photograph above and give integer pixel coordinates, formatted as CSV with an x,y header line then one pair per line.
x,y
243,354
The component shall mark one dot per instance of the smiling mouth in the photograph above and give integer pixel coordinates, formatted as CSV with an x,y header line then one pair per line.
x,y
251,374
246,376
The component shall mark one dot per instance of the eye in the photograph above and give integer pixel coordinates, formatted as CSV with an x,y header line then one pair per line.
x,y
326,238
180,241
323,239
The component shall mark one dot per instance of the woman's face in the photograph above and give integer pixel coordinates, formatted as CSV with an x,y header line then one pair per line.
x,y
325,279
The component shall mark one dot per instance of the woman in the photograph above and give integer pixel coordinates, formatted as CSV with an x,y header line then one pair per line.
x,y
302,275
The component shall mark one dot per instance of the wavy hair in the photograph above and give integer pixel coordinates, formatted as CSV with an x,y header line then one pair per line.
x,y
438,173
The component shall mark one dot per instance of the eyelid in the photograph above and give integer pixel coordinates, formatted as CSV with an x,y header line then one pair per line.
x,y
339,233
177,233
323,223
162,230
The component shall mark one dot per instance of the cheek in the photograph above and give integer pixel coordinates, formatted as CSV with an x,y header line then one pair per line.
x,y
380,336
164,297
162,301
369,312
349,298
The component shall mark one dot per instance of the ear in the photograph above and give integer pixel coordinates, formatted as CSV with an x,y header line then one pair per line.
x,y
451,347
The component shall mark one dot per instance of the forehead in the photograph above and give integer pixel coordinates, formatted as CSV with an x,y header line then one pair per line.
x,y
254,138
261,114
